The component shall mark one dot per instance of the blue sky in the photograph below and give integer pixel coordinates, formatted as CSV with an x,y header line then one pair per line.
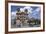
x,y
34,9
13,8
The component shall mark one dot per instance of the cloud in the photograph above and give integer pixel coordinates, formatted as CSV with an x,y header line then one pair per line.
x,y
38,9
21,9
28,8
13,14
35,14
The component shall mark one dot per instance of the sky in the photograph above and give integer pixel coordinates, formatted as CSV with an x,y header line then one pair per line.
x,y
33,11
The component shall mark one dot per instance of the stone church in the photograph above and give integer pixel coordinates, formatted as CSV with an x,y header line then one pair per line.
x,y
21,18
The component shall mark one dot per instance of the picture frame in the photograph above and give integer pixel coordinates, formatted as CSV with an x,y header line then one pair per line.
x,y
12,5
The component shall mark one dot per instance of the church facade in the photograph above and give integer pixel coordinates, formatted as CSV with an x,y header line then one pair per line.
x,y
22,18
